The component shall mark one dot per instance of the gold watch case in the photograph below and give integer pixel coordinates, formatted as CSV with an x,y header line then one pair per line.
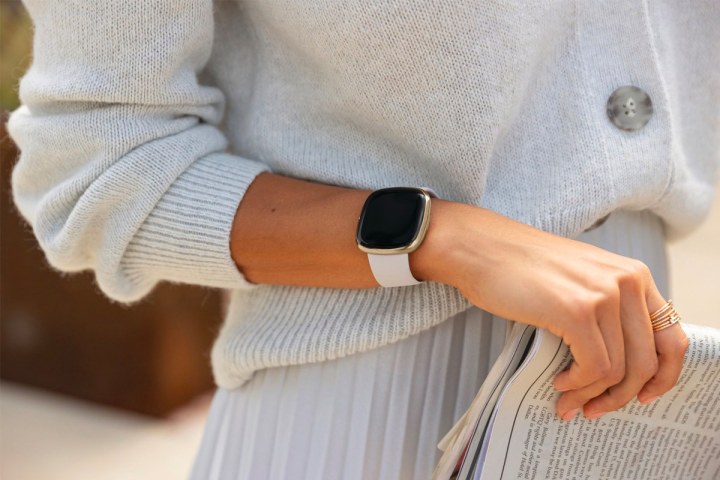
x,y
416,241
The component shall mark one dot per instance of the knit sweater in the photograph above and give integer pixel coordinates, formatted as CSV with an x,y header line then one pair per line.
x,y
143,122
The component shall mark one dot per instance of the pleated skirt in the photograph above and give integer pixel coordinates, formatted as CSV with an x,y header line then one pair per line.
x,y
378,415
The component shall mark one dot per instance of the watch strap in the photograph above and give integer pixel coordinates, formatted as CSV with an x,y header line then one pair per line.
x,y
392,270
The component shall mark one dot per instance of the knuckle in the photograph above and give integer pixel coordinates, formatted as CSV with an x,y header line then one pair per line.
x,y
617,373
601,369
649,368
584,307
638,268
632,272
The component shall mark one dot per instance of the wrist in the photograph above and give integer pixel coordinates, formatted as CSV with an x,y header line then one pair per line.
x,y
434,259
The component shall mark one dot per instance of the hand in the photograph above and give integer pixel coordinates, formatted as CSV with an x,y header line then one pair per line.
x,y
598,302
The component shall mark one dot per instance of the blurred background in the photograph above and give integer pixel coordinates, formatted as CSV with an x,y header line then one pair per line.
x,y
95,390
90,388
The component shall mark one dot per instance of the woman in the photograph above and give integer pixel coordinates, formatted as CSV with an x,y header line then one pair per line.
x,y
234,145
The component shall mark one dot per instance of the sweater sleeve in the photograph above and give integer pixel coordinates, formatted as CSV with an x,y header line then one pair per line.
x,y
123,169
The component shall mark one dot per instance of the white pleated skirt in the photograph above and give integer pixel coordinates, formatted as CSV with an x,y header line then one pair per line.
x,y
378,415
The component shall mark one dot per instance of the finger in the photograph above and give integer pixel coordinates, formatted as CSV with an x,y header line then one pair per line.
x,y
570,403
641,358
590,358
608,314
672,344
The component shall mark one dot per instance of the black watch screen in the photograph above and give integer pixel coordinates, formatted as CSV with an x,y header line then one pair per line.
x,y
391,217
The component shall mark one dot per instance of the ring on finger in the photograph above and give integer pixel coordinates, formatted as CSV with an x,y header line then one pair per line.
x,y
664,317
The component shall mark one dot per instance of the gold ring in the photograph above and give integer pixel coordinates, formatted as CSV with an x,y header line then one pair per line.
x,y
664,317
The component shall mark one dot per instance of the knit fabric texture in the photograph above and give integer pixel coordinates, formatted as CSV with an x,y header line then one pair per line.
x,y
144,121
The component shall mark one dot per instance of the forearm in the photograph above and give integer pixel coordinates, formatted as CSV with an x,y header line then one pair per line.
x,y
289,231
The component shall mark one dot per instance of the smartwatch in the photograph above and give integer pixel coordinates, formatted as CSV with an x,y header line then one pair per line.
x,y
393,223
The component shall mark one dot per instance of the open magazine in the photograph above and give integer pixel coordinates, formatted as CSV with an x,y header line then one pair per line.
x,y
511,430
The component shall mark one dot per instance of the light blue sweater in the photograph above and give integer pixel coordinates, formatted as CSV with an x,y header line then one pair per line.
x,y
143,123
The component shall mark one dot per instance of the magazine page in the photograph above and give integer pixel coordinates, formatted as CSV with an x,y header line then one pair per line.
x,y
470,459
677,436
478,414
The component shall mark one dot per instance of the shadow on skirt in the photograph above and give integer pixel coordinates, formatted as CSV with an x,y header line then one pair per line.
x,y
378,415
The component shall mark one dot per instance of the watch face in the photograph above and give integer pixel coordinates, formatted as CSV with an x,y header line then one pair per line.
x,y
391,218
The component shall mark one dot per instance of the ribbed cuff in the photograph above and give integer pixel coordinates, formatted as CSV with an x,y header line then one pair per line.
x,y
186,238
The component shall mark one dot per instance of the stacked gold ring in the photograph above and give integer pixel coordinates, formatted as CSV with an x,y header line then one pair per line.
x,y
664,317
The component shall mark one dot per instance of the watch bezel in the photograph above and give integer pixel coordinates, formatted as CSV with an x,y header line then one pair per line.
x,y
419,236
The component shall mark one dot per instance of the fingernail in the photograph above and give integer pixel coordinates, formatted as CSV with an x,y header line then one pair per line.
x,y
648,400
594,415
570,414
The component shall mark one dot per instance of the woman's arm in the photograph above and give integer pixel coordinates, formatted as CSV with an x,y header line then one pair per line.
x,y
296,232
123,169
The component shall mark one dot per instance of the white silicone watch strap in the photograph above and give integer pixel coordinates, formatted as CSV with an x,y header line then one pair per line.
x,y
392,270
